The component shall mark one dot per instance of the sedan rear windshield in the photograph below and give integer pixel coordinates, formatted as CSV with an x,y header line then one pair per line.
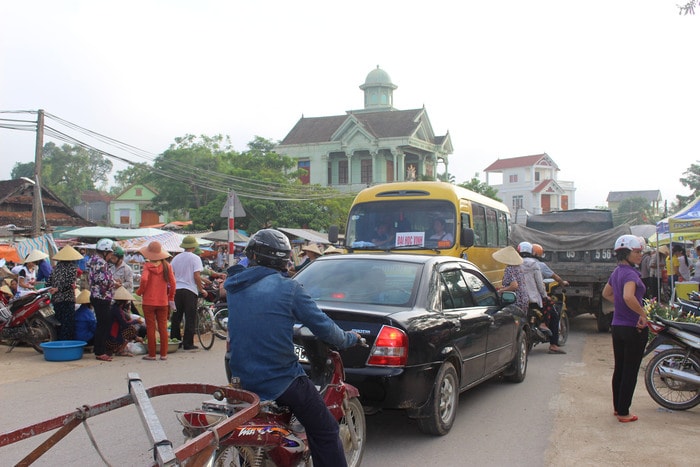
x,y
361,281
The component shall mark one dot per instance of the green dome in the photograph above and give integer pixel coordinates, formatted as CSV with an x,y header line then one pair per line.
x,y
377,76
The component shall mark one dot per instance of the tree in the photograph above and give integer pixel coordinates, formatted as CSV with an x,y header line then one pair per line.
x,y
690,179
634,211
22,169
68,171
133,174
480,187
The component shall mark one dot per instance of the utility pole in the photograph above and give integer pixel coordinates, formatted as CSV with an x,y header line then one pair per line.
x,y
36,202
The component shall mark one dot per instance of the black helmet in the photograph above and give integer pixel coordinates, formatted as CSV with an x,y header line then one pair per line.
x,y
269,247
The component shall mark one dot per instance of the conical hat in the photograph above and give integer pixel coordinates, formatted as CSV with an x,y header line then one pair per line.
x,y
34,256
312,248
68,253
122,294
83,297
508,255
6,290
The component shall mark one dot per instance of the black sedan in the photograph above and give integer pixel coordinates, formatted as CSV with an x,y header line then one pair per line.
x,y
435,327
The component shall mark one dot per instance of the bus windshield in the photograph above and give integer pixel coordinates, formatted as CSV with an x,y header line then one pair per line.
x,y
401,224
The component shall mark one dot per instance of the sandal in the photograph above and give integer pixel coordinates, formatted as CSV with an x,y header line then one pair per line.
x,y
163,358
124,353
148,357
104,358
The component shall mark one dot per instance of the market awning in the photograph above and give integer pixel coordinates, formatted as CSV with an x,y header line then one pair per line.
x,y
9,253
307,234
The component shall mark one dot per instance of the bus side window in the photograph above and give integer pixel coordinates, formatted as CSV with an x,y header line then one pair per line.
x,y
479,217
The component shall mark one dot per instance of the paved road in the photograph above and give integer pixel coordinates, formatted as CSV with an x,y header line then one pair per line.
x,y
498,423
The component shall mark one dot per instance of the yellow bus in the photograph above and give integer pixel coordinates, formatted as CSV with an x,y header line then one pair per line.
x,y
429,218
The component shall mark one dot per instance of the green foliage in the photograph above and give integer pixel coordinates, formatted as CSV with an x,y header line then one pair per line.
x,y
131,175
480,187
690,179
635,211
22,169
68,171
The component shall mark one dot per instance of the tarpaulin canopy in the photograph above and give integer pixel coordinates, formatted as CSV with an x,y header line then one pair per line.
x,y
169,240
681,226
9,253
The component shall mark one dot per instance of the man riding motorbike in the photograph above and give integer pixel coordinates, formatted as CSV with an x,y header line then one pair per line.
x,y
267,305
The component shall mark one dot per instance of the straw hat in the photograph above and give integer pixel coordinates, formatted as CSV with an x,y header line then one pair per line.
x,y
663,249
508,256
68,253
84,296
34,256
331,250
122,294
154,251
312,248
8,280
189,242
6,290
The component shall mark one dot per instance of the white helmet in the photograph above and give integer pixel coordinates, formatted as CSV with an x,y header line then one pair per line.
x,y
525,247
630,242
104,244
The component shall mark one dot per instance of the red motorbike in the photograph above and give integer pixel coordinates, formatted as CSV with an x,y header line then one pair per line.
x,y
29,319
274,437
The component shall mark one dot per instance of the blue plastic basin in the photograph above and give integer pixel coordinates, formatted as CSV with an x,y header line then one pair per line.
x,y
63,351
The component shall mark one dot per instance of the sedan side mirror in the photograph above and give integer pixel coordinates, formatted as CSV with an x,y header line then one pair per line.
x,y
508,297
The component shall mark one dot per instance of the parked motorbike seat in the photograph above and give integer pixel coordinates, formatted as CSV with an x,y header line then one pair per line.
x,y
687,327
19,302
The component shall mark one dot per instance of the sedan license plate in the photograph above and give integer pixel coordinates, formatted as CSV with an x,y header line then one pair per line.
x,y
301,353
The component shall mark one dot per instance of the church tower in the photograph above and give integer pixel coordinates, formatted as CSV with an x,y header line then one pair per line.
x,y
379,90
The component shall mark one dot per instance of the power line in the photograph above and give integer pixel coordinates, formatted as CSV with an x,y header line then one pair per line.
x,y
175,170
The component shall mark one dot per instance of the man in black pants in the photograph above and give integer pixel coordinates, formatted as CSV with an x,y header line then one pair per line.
x,y
187,267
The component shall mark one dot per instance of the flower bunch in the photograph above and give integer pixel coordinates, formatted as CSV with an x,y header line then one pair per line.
x,y
670,312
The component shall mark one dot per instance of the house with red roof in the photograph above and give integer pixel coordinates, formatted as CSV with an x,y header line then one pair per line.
x,y
530,183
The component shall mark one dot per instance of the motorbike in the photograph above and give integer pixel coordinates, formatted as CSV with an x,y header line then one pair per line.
x,y
672,376
690,306
556,304
29,319
274,437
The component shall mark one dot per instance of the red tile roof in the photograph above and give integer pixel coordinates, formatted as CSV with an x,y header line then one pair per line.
x,y
515,162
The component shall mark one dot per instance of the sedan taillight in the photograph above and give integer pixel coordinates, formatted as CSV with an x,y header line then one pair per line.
x,y
390,348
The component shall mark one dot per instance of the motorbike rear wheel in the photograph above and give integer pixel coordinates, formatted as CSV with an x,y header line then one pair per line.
x,y
563,328
356,414
41,331
669,392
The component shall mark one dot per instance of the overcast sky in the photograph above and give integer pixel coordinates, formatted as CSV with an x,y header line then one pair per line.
x,y
609,89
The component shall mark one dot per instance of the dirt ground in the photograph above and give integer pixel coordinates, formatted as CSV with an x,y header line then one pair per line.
x,y
587,433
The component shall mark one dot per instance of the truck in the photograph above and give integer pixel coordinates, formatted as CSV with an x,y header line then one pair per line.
x,y
578,246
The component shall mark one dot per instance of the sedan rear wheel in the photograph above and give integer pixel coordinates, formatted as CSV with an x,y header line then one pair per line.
x,y
443,403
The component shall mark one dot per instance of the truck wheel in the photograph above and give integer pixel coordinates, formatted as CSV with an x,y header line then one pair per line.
x,y
603,321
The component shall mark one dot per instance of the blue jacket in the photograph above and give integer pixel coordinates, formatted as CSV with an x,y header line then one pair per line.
x,y
263,308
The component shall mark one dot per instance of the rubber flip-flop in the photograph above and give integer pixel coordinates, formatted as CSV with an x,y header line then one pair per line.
x,y
633,418
146,357
104,358
163,358
557,351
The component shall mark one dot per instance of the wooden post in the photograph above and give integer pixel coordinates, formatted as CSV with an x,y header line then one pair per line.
x,y
36,202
